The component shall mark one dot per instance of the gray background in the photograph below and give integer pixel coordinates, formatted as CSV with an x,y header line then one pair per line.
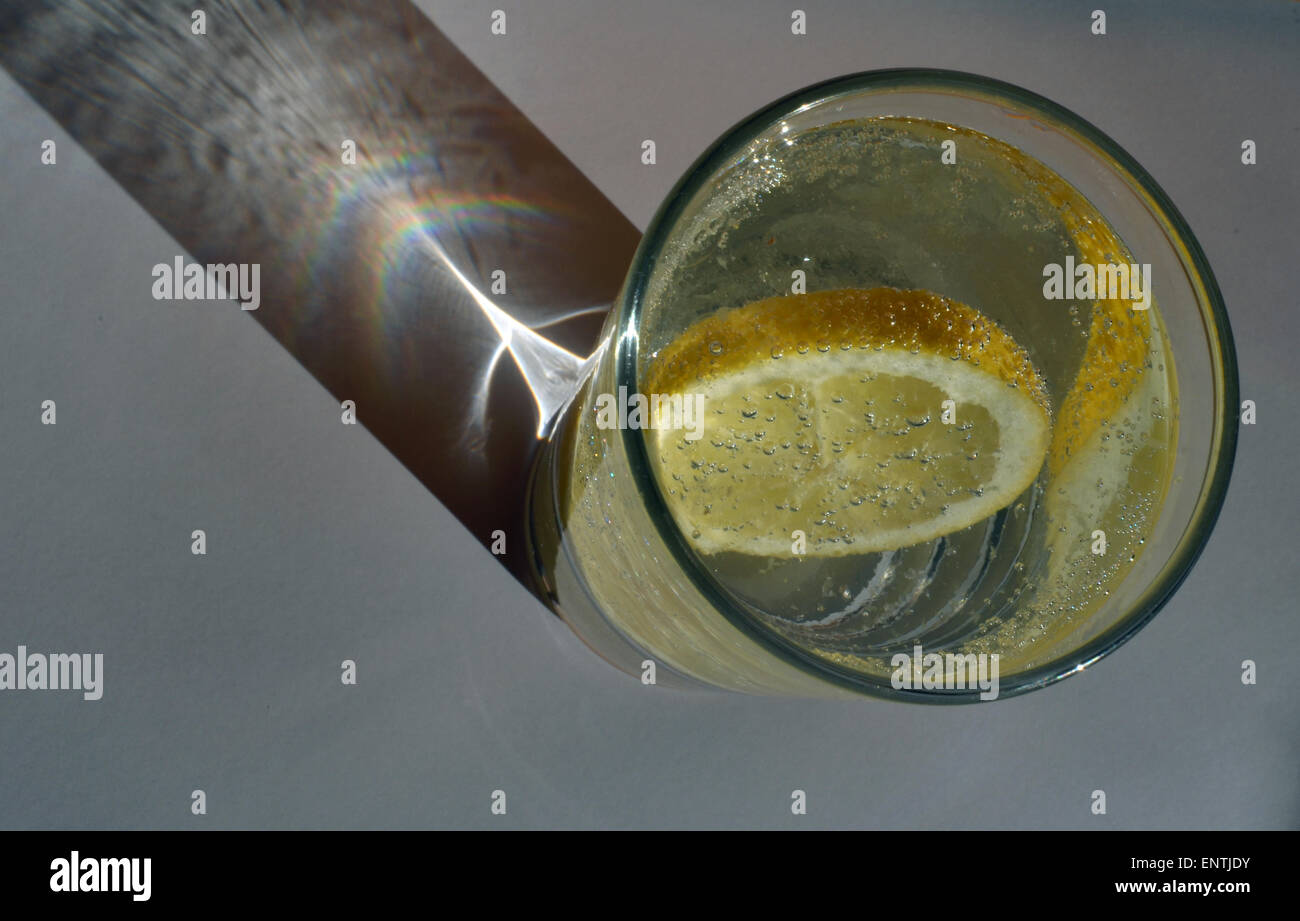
x,y
222,672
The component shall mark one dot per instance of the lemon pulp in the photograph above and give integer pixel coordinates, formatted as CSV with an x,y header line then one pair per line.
x,y
845,422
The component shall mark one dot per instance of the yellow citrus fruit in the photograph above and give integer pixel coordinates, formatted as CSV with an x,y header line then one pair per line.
x,y
1118,333
846,421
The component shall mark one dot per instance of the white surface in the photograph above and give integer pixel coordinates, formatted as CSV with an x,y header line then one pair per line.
x,y
222,672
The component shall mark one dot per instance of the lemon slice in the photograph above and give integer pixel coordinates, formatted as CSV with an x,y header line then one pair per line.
x,y
1119,335
843,422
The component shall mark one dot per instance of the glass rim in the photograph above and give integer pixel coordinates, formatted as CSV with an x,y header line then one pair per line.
x,y
1214,486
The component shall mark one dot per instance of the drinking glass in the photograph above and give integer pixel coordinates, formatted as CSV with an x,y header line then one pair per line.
x,y
907,179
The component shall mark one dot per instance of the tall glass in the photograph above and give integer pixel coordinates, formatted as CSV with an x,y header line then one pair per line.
x,y
913,181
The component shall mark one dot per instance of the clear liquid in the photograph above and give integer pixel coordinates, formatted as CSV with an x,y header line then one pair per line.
x,y
871,204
